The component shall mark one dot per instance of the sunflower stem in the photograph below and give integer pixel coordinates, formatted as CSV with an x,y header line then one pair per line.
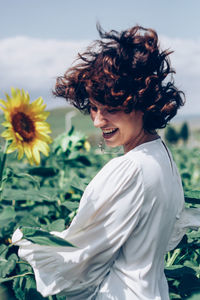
x,y
3,163
17,276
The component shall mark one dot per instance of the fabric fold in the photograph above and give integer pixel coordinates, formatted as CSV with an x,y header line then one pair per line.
x,y
129,214
101,226
189,218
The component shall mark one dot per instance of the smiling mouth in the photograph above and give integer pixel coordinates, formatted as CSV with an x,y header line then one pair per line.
x,y
108,133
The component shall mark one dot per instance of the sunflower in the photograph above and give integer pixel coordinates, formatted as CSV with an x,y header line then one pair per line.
x,y
25,124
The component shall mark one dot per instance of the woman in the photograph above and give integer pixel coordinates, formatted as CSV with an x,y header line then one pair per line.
x,y
132,212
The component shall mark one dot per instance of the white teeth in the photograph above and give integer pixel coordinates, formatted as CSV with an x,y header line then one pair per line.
x,y
109,130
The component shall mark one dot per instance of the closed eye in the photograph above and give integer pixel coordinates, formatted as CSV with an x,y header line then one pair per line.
x,y
93,108
112,111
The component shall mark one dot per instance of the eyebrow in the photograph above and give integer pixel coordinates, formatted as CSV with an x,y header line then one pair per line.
x,y
90,102
96,104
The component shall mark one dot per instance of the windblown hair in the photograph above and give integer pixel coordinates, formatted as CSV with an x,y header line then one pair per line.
x,y
124,69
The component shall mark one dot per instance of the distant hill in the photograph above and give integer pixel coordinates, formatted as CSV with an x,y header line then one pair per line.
x,y
61,119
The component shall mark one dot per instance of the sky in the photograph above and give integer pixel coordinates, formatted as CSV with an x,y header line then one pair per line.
x,y
40,39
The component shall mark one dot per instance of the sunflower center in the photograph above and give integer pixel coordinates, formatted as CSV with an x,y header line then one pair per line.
x,y
23,125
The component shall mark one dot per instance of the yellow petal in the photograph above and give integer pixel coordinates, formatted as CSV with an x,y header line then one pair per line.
x,y
41,116
3,103
18,136
43,126
37,109
14,92
20,152
7,134
43,147
7,97
44,137
38,102
28,152
25,97
6,124
2,108
10,102
36,155
13,147
7,115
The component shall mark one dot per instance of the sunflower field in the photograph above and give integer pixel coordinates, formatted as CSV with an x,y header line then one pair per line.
x,y
41,183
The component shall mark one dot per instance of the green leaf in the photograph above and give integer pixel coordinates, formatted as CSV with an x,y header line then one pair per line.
x,y
42,237
60,297
194,296
44,171
32,294
3,250
40,210
7,228
193,264
29,195
7,216
25,288
8,173
58,225
71,131
7,213
29,220
7,265
174,296
188,284
30,282
17,287
177,271
32,179
78,184
84,160
61,143
71,205
192,197
194,234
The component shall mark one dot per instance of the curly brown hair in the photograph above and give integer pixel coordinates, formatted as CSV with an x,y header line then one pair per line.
x,y
124,69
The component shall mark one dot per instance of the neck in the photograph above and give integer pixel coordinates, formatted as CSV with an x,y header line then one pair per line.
x,y
143,137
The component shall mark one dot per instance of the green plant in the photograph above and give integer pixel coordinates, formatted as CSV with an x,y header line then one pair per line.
x,y
171,135
46,197
184,132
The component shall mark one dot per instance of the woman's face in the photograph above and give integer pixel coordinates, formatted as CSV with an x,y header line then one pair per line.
x,y
118,128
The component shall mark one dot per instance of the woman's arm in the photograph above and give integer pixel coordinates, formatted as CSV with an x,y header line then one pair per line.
x,y
108,213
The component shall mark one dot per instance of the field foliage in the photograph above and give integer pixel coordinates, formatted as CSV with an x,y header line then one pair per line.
x,y
48,196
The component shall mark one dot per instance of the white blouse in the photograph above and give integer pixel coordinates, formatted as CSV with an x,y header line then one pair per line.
x,y
130,215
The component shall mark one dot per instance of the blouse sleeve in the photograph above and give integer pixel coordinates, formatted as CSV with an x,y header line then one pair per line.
x,y
189,218
108,213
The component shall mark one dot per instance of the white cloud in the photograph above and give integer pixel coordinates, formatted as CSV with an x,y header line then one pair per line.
x,y
33,64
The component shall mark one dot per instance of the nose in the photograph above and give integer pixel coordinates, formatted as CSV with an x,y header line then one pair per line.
x,y
98,119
